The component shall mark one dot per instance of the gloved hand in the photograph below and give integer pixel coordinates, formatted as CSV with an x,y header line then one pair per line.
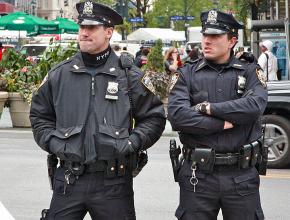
x,y
125,148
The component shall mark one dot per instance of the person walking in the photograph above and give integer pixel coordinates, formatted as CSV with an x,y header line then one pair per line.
x,y
83,114
268,61
216,104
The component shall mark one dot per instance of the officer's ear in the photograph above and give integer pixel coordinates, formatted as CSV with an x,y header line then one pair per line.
x,y
233,41
109,32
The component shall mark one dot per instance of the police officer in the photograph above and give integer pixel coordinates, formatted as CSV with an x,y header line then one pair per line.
x,y
216,104
82,113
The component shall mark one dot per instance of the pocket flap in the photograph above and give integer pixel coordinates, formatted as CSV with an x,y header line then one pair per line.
x,y
179,212
113,131
245,177
64,133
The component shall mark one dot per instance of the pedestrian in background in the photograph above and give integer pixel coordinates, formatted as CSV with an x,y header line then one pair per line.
x,y
1,51
268,61
172,60
83,114
216,105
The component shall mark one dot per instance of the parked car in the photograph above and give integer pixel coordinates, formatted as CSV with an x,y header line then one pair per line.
x,y
277,123
34,51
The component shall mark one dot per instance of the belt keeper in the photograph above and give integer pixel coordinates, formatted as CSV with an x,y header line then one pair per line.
x,y
111,169
121,167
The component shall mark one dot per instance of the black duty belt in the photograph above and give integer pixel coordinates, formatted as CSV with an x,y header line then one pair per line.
x,y
97,166
227,159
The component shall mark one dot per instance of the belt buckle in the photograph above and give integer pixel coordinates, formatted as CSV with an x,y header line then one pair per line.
x,y
229,158
77,169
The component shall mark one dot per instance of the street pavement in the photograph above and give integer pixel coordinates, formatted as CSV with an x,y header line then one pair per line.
x,y
24,188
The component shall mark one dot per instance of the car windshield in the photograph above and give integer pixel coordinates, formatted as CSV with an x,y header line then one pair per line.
x,y
32,50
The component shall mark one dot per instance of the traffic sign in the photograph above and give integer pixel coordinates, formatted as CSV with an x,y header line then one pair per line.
x,y
189,18
176,18
136,20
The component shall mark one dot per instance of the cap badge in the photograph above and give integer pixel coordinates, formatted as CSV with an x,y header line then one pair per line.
x,y
88,8
212,16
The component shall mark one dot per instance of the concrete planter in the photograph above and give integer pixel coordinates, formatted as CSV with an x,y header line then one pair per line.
x,y
19,110
3,98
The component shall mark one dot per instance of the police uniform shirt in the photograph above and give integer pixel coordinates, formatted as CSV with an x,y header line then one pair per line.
x,y
201,82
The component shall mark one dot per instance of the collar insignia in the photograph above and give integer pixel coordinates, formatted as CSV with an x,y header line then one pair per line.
x,y
201,65
88,8
212,17
76,67
112,69
237,65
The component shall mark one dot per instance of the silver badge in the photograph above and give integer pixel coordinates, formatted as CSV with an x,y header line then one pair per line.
x,y
112,87
241,82
212,16
88,8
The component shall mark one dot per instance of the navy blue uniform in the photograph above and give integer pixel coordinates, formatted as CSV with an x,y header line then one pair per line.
x,y
234,190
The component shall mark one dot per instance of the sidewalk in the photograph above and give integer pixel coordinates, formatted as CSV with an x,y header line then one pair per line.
x,y
6,124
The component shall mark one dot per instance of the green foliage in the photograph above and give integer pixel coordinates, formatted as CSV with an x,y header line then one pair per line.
x,y
24,76
156,71
155,58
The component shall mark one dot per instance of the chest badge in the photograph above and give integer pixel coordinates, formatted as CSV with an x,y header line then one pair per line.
x,y
112,91
241,85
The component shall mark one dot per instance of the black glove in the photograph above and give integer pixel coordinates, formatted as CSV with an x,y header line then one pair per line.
x,y
125,148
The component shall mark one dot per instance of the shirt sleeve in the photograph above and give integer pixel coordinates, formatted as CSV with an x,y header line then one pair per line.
x,y
148,113
248,108
42,115
181,115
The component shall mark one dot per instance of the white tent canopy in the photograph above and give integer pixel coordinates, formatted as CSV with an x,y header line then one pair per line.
x,y
116,36
149,34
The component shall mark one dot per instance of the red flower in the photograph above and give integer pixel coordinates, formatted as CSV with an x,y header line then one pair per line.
x,y
24,69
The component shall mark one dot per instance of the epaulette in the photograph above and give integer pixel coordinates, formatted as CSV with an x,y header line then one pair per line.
x,y
60,64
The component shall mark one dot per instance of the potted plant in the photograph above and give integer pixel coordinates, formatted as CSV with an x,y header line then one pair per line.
x,y
155,78
24,77
17,71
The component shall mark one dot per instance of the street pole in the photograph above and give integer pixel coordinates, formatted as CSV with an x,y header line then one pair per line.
x,y
185,20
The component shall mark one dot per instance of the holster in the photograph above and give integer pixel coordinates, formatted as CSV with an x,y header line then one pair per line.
x,y
245,156
174,153
262,160
44,214
141,161
52,162
205,158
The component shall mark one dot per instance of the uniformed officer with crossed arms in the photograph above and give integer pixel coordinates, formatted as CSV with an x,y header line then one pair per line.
x,y
83,112
216,104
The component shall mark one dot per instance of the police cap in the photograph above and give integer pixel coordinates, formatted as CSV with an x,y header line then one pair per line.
x,y
217,22
92,13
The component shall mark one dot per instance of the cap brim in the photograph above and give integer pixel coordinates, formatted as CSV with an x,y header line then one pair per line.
x,y
213,31
89,22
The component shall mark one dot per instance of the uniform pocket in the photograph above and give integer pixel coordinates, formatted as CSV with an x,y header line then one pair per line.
x,y
118,187
260,214
59,182
184,176
130,217
108,139
179,212
66,143
247,183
